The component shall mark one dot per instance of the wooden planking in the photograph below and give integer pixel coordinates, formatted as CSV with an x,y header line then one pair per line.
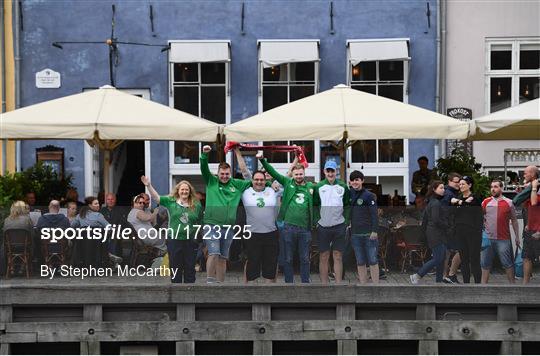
x,y
232,294
509,313
185,313
90,344
263,313
274,330
427,312
346,312
6,316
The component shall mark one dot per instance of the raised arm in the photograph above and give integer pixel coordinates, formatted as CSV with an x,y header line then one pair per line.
x,y
242,164
294,163
280,178
205,170
146,181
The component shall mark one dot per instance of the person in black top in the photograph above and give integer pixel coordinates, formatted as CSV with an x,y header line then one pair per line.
x,y
451,191
364,227
436,227
468,220
422,177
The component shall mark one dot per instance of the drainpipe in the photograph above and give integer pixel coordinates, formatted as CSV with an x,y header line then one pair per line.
x,y
3,84
440,90
17,53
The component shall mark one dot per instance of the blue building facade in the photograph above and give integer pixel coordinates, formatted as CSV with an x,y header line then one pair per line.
x,y
244,26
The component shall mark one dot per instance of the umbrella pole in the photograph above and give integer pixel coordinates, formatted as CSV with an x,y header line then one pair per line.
x,y
220,146
106,168
342,156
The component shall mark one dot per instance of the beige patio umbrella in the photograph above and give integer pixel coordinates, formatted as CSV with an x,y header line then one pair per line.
x,y
343,113
105,117
521,122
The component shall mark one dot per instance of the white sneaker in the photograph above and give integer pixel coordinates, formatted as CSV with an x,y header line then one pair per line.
x,y
115,259
211,280
415,278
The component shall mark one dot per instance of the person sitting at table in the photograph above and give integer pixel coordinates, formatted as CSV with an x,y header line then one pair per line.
x,y
19,218
90,216
52,219
71,208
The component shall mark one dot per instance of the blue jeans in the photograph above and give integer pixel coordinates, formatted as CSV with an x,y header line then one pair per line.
x,y
281,255
292,236
437,261
365,249
218,240
503,249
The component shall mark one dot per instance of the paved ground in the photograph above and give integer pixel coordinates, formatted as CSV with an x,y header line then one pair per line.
x,y
392,278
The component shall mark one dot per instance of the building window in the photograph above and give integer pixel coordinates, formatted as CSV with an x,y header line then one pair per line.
x,y
284,80
384,78
199,89
513,72
199,85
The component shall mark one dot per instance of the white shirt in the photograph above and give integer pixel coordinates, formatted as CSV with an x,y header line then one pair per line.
x,y
261,209
331,205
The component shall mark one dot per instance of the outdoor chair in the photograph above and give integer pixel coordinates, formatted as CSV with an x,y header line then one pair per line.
x,y
54,253
141,254
18,249
411,246
384,240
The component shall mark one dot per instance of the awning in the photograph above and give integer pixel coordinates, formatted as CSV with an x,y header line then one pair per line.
x,y
378,50
199,51
331,113
521,122
276,52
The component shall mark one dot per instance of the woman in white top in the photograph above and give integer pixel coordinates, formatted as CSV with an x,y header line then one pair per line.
x,y
143,222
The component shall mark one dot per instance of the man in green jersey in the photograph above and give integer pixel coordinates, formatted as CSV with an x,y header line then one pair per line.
x,y
223,195
296,212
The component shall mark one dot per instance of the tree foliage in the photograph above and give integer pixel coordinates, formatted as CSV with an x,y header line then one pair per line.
x,y
460,161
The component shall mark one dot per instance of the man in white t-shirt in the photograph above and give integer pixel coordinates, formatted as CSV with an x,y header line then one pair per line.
x,y
262,248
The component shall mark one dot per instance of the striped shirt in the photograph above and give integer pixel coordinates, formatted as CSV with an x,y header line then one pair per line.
x,y
497,215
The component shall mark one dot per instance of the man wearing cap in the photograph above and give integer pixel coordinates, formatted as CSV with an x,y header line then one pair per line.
x,y
331,213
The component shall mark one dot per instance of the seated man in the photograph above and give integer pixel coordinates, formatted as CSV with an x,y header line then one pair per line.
x,y
53,219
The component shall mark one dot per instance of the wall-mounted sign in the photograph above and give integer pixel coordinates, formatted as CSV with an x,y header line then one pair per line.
x,y
47,78
459,113
462,114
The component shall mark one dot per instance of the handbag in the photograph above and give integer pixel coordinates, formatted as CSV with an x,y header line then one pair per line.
x,y
518,263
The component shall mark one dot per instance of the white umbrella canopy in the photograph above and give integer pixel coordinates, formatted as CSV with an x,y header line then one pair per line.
x,y
107,112
521,122
344,112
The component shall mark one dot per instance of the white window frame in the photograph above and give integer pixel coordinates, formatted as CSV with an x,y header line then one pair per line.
x,y
383,169
514,72
314,167
186,169
90,155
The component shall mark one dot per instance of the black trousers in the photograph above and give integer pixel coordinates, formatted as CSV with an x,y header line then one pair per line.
x,y
470,241
182,255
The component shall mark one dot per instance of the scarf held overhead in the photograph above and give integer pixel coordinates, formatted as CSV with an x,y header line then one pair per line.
x,y
298,150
